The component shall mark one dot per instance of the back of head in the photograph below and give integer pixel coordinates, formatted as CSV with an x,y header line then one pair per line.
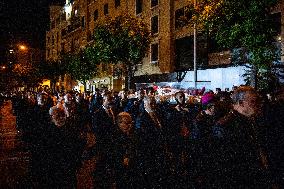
x,y
239,93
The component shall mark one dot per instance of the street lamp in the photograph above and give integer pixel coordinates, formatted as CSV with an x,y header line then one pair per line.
x,y
194,53
23,47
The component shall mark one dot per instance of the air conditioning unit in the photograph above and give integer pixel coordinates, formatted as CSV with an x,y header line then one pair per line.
x,y
154,62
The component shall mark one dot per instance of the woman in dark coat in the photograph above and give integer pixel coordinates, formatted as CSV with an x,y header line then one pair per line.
x,y
125,154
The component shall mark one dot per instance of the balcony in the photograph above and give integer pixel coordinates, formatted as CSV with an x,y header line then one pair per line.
x,y
75,23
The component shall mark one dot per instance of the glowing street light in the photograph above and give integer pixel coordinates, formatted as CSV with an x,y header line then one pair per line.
x,y
23,47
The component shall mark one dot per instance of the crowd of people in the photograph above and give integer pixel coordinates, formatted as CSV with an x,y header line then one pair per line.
x,y
143,140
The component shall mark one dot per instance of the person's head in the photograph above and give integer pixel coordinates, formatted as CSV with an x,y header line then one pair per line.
x,y
125,122
108,100
42,99
218,90
149,103
68,98
141,94
208,103
246,101
58,116
180,98
150,91
79,97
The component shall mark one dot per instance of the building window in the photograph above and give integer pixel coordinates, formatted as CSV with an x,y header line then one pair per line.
x,y
154,25
83,21
139,4
58,21
96,14
63,16
154,3
106,9
116,3
52,42
182,17
52,24
154,53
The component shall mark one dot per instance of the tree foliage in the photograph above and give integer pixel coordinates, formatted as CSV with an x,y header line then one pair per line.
x,y
121,39
243,25
81,66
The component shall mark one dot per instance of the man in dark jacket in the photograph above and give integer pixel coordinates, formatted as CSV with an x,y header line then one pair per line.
x,y
239,155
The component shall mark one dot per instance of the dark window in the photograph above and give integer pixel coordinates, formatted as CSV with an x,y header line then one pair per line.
x,y
105,9
52,42
182,16
58,21
154,25
52,24
154,52
154,3
63,16
104,67
96,14
275,20
184,52
139,4
83,21
116,3
178,15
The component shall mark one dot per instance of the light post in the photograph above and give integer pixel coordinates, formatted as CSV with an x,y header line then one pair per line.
x,y
194,53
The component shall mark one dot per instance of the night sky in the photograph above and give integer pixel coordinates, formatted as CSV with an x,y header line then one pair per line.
x,y
24,21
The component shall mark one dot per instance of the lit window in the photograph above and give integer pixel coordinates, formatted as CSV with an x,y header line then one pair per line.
x,y
155,24
154,53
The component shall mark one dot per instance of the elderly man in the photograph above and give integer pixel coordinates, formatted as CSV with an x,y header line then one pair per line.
x,y
239,155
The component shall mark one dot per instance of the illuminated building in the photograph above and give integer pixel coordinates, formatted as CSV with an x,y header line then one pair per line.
x,y
171,50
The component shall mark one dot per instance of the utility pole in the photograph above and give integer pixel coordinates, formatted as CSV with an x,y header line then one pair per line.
x,y
194,53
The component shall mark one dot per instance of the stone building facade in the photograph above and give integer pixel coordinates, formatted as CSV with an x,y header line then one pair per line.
x,y
171,50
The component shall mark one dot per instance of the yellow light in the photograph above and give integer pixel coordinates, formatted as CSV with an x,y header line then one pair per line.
x,y
23,47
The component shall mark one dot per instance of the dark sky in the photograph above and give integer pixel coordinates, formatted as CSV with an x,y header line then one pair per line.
x,y
24,21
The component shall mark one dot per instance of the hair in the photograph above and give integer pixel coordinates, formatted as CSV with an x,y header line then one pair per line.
x,y
239,94
183,95
123,114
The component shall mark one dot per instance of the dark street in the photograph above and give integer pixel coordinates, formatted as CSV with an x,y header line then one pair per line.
x,y
15,158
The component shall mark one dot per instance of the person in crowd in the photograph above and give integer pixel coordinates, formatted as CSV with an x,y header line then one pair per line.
x,y
126,154
179,134
131,104
151,128
38,141
96,101
64,151
104,118
123,99
239,154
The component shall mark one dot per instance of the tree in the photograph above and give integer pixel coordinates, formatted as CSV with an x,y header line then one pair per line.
x,y
52,70
245,25
82,66
123,39
26,73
